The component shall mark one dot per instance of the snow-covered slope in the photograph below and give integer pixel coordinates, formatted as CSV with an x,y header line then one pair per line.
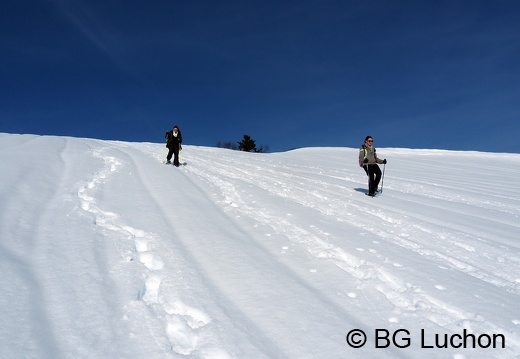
x,y
105,252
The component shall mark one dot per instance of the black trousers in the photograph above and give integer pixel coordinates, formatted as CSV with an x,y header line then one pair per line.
x,y
173,151
374,177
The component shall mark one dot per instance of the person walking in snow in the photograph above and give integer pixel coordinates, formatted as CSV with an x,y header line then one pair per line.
x,y
173,143
368,160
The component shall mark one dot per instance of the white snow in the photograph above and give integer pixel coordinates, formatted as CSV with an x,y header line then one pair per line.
x,y
105,252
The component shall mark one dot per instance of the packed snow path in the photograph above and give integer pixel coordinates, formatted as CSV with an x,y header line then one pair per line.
x,y
107,252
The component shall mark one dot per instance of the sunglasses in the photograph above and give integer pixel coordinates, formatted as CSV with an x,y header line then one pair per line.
x,y
370,141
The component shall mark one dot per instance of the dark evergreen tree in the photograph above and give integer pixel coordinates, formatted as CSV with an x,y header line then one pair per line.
x,y
247,144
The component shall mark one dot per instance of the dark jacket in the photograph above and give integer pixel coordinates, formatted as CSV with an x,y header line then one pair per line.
x,y
172,141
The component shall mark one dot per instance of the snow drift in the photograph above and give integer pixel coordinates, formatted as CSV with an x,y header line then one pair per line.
x,y
105,252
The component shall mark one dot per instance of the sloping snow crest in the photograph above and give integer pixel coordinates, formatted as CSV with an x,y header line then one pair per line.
x,y
106,252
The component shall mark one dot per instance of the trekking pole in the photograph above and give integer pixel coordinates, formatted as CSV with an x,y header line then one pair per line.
x,y
383,177
368,175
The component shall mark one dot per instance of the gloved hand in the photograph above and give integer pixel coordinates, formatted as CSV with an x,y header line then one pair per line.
x,y
384,161
365,160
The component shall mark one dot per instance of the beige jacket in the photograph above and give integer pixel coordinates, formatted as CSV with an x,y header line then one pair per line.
x,y
370,153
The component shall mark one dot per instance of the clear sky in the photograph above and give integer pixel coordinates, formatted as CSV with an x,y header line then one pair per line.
x,y
410,73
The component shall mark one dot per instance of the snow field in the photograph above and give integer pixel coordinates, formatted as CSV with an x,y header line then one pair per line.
x,y
106,252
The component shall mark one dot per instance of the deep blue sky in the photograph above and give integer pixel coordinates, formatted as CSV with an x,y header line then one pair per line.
x,y
418,74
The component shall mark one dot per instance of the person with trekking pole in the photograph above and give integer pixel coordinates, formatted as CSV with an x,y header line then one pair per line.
x,y
369,161
173,143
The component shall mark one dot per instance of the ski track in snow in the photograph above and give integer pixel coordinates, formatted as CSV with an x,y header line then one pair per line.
x,y
448,247
182,322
